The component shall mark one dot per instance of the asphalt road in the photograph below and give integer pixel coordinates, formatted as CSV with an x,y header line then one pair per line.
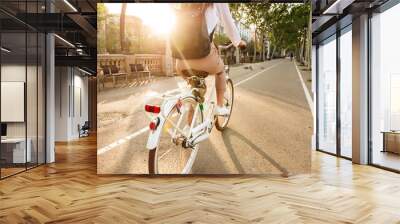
x,y
269,131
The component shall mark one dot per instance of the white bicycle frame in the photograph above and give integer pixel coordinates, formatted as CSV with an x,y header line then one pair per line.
x,y
195,134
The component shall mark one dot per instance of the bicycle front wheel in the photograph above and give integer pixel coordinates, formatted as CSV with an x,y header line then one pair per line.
x,y
170,157
222,121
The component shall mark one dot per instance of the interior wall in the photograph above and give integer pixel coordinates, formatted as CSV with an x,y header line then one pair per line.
x,y
62,80
71,102
16,73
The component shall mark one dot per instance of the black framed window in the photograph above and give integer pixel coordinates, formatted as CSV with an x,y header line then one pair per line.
x,y
334,92
345,93
326,88
22,77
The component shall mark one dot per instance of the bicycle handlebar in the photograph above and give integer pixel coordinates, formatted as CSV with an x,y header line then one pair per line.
x,y
224,47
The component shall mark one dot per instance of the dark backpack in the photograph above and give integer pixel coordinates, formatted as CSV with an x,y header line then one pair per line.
x,y
189,38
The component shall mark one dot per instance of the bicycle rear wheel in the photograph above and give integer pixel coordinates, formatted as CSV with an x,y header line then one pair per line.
x,y
222,121
170,157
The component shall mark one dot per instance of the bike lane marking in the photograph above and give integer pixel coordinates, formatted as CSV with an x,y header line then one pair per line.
x,y
306,92
123,140
255,67
256,74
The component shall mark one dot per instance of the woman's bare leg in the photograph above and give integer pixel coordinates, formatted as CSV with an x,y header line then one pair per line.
x,y
190,115
220,87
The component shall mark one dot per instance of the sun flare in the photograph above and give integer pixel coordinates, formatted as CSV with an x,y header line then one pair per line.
x,y
158,16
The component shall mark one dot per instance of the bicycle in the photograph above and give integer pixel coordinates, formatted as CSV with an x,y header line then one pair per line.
x,y
184,119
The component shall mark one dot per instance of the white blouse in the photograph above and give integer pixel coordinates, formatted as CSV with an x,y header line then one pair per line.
x,y
219,12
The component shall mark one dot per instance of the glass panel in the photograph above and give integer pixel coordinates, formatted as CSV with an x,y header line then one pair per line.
x,y
13,86
23,88
386,89
31,98
41,99
32,89
327,95
346,92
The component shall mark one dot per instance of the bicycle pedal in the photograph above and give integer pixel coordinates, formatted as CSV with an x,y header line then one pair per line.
x,y
178,140
187,145
226,115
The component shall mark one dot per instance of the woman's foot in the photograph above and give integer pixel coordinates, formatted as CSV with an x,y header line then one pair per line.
x,y
185,129
222,111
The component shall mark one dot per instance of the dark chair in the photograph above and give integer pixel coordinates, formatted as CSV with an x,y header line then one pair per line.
x,y
106,74
139,70
133,69
84,130
115,72
106,69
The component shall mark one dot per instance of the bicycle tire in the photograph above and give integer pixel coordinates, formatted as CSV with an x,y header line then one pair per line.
x,y
221,127
153,157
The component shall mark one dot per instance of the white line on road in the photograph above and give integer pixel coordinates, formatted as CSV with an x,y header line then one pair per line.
x,y
128,137
121,141
258,73
306,92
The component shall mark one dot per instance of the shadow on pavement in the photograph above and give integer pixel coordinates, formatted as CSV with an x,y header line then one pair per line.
x,y
228,133
208,161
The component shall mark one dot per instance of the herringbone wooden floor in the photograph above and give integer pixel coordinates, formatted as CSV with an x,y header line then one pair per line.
x,y
69,191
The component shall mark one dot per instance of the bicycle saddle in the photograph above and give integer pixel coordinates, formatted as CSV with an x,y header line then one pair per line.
x,y
193,72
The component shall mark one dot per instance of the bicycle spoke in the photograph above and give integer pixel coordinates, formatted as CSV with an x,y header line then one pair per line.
x,y
165,153
175,126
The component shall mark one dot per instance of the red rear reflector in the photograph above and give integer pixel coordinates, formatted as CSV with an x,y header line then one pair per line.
x,y
152,109
154,124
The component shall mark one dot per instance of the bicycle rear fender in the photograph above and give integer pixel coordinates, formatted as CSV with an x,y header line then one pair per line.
x,y
154,136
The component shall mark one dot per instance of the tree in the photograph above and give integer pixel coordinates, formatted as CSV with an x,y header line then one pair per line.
x,y
112,40
255,16
101,31
286,26
122,27
220,39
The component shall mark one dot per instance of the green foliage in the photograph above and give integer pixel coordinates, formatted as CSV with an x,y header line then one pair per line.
x,y
112,37
101,16
101,12
220,39
284,25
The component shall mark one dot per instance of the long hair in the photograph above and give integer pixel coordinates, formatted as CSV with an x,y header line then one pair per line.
x,y
208,4
182,5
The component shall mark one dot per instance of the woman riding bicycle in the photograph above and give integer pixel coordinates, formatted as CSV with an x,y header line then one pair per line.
x,y
202,54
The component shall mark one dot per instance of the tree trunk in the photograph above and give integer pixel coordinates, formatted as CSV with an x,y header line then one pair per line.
x,y
308,46
304,48
105,34
237,54
273,52
301,50
255,45
263,47
122,27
